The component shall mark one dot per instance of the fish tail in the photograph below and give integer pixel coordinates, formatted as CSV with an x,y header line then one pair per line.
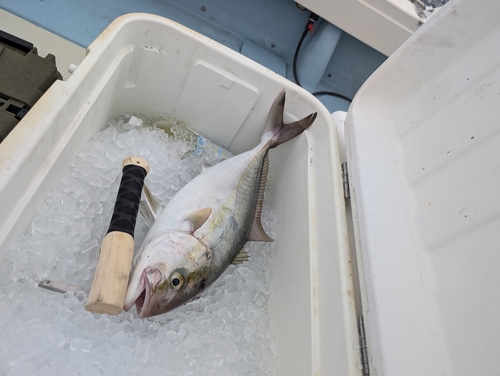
x,y
276,131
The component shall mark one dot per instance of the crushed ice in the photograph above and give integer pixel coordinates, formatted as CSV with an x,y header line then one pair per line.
x,y
225,332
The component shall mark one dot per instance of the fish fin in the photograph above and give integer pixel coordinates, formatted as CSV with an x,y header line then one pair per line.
x,y
257,232
196,297
240,258
151,201
198,218
205,166
146,213
279,132
149,207
275,115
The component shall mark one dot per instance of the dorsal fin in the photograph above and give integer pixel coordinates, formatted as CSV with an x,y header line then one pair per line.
x,y
257,232
205,166
146,213
149,208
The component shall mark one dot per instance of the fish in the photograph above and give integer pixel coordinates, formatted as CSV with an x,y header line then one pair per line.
x,y
204,227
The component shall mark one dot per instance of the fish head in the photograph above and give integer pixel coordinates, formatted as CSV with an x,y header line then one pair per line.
x,y
172,268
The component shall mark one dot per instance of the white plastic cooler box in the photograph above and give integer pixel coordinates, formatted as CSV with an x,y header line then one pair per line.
x,y
423,154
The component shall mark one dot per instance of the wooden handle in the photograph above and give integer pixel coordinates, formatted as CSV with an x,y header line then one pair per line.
x,y
109,285
110,281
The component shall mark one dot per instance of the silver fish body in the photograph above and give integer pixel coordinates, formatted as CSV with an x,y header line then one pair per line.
x,y
203,228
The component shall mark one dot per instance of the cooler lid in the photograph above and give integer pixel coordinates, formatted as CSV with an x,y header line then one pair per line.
x,y
423,150
381,24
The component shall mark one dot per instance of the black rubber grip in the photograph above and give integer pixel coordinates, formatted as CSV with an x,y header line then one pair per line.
x,y
127,200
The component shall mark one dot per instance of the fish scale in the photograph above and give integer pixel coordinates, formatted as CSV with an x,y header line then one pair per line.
x,y
227,247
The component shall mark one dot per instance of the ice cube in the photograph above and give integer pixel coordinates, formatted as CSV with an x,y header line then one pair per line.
x,y
80,344
141,352
135,121
230,319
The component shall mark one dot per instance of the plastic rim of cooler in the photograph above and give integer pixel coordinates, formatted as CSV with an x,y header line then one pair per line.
x,y
148,64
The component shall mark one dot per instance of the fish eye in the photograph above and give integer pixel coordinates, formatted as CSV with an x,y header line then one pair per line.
x,y
177,280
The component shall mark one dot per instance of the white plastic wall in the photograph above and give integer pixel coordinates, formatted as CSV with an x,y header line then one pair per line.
x,y
424,163
148,64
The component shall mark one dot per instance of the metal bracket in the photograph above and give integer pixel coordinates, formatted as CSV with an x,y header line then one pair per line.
x,y
61,287
362,346
345,180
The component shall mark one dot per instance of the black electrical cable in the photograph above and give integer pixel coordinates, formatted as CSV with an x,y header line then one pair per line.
x,y
332,94
296,55
312,19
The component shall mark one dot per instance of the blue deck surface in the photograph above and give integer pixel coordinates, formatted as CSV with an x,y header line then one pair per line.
x,y
266,31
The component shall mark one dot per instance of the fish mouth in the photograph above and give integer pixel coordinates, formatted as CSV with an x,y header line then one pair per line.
x,y
150,278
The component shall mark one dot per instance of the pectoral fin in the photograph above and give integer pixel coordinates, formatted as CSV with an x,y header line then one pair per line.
x,y
196,219
149,207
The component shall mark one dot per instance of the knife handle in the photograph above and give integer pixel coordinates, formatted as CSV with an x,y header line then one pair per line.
x,y
109,285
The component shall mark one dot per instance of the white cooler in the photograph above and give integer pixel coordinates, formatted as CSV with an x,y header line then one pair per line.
x,y
423,155
423,146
